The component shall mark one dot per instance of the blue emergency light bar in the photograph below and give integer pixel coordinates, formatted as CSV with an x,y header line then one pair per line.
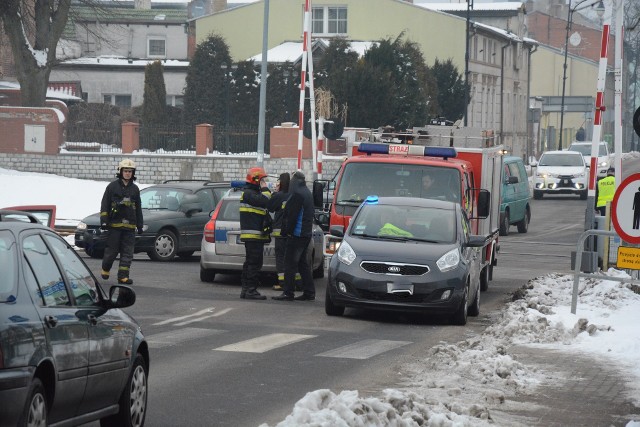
x,y
407,150
371,200
238,184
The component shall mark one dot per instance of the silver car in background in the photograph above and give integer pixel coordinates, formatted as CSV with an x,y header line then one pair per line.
x,y
223,252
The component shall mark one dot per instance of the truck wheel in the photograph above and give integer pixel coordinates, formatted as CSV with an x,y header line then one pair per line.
x,y
474,309
523,225
504,225
537,194
484,278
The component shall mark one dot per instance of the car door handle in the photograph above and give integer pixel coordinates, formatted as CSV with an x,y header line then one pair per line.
x,y
93,320
51,321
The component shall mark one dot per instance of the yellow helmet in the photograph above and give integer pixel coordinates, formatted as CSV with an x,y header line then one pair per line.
x,y
127,164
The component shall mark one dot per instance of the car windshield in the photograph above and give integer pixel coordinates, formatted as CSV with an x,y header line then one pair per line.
x,y
162,198
389,222
561,159
360,180
585,149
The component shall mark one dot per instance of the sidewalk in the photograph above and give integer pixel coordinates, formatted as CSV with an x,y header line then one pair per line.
x,y
580,390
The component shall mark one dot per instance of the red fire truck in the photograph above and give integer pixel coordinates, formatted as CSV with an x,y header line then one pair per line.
x,y
467,175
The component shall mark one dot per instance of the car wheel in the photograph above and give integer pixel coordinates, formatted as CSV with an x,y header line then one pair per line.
x,y
583,194
523,225
207,275
185,254
318,273
537,194
133,401
164,247
474,310
94,253
460,316
330,308
504,225
484,278
35,411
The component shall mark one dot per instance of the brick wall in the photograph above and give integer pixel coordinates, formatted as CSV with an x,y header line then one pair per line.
x,y
38,130
153,169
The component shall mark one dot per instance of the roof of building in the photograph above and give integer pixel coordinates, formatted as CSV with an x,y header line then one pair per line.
x,y
120,61
292,51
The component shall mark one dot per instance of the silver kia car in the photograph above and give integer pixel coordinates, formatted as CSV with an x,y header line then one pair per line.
x,y
223,252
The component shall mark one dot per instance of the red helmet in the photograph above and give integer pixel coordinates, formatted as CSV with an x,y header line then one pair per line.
x,y
254,175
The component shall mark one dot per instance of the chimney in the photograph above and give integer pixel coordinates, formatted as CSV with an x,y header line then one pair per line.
x,y
218,5
142,4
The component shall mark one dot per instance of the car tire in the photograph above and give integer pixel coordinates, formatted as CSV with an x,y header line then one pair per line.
x,y
460,316
584,194
185,254
133,401
207,275
35,410
94,253
504,224
484,278
537,194
474,309
165,246
330,308
318,273
523,225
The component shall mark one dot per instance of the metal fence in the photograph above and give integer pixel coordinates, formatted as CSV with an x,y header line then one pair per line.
x,y
164,139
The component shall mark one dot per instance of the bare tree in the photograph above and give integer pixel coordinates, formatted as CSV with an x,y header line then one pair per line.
x,y
34,28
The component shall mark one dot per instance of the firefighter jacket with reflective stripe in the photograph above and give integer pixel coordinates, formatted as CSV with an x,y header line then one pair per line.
x,y
276,204
605,190
253,213
121,206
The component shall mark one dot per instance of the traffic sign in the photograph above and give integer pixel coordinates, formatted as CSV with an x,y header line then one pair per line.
x,y
625,209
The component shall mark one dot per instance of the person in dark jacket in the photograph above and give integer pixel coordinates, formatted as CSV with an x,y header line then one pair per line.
x,y
121,216
276,205
297,225
254,223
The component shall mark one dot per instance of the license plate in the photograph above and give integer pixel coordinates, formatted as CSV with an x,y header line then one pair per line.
x,y
397,288
565,181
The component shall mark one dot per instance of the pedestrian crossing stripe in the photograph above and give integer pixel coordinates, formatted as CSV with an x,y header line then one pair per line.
x,y
265,343
364,349
178,336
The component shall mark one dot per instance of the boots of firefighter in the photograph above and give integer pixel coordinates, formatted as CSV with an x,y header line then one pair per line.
x,y
280,284
104,274
125,281
253,294
298,282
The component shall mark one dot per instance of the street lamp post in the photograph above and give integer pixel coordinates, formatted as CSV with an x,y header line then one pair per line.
x,y
600,11
466,63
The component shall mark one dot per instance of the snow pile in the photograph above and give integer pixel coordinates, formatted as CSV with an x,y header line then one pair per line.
x,y
471,383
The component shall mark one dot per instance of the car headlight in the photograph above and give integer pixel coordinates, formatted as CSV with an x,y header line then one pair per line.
x,y
604,163
81,226
541,175
449,261
346,254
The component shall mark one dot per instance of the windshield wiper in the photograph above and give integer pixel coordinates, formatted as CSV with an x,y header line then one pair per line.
x,y
350,202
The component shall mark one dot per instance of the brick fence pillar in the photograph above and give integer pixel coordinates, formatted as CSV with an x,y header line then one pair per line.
x,y
130,137
204,139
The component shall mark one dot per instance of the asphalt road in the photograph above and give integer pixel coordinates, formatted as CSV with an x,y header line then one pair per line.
x,y
217,360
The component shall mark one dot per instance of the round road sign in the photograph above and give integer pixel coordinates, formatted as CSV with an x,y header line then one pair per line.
x,y
625,209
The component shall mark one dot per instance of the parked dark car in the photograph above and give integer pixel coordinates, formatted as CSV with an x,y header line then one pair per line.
x,y
409,255
174,212
68,353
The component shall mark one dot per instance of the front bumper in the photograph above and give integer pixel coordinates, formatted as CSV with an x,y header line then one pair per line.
x,y
430,293
560,184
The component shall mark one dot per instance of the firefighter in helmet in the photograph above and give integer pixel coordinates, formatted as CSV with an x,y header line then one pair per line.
x,y
121,216
255,228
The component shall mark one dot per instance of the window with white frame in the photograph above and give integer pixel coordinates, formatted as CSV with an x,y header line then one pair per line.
x,y
117,100
329,20
156,47
175,100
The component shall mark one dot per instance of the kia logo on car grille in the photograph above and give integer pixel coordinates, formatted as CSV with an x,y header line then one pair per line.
x,y
394,269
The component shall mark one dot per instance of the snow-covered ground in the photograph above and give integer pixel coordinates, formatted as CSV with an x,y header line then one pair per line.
x,y
457,383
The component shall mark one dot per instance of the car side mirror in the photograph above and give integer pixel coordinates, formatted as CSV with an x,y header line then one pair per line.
x,y
484,203
337,230
318,190
121,296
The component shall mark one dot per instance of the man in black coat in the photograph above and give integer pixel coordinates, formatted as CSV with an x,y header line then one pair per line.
x,y
121,216
297,226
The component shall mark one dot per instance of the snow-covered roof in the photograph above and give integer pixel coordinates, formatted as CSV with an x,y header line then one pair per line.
x,y
292,51
108,60
458,7
61,94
